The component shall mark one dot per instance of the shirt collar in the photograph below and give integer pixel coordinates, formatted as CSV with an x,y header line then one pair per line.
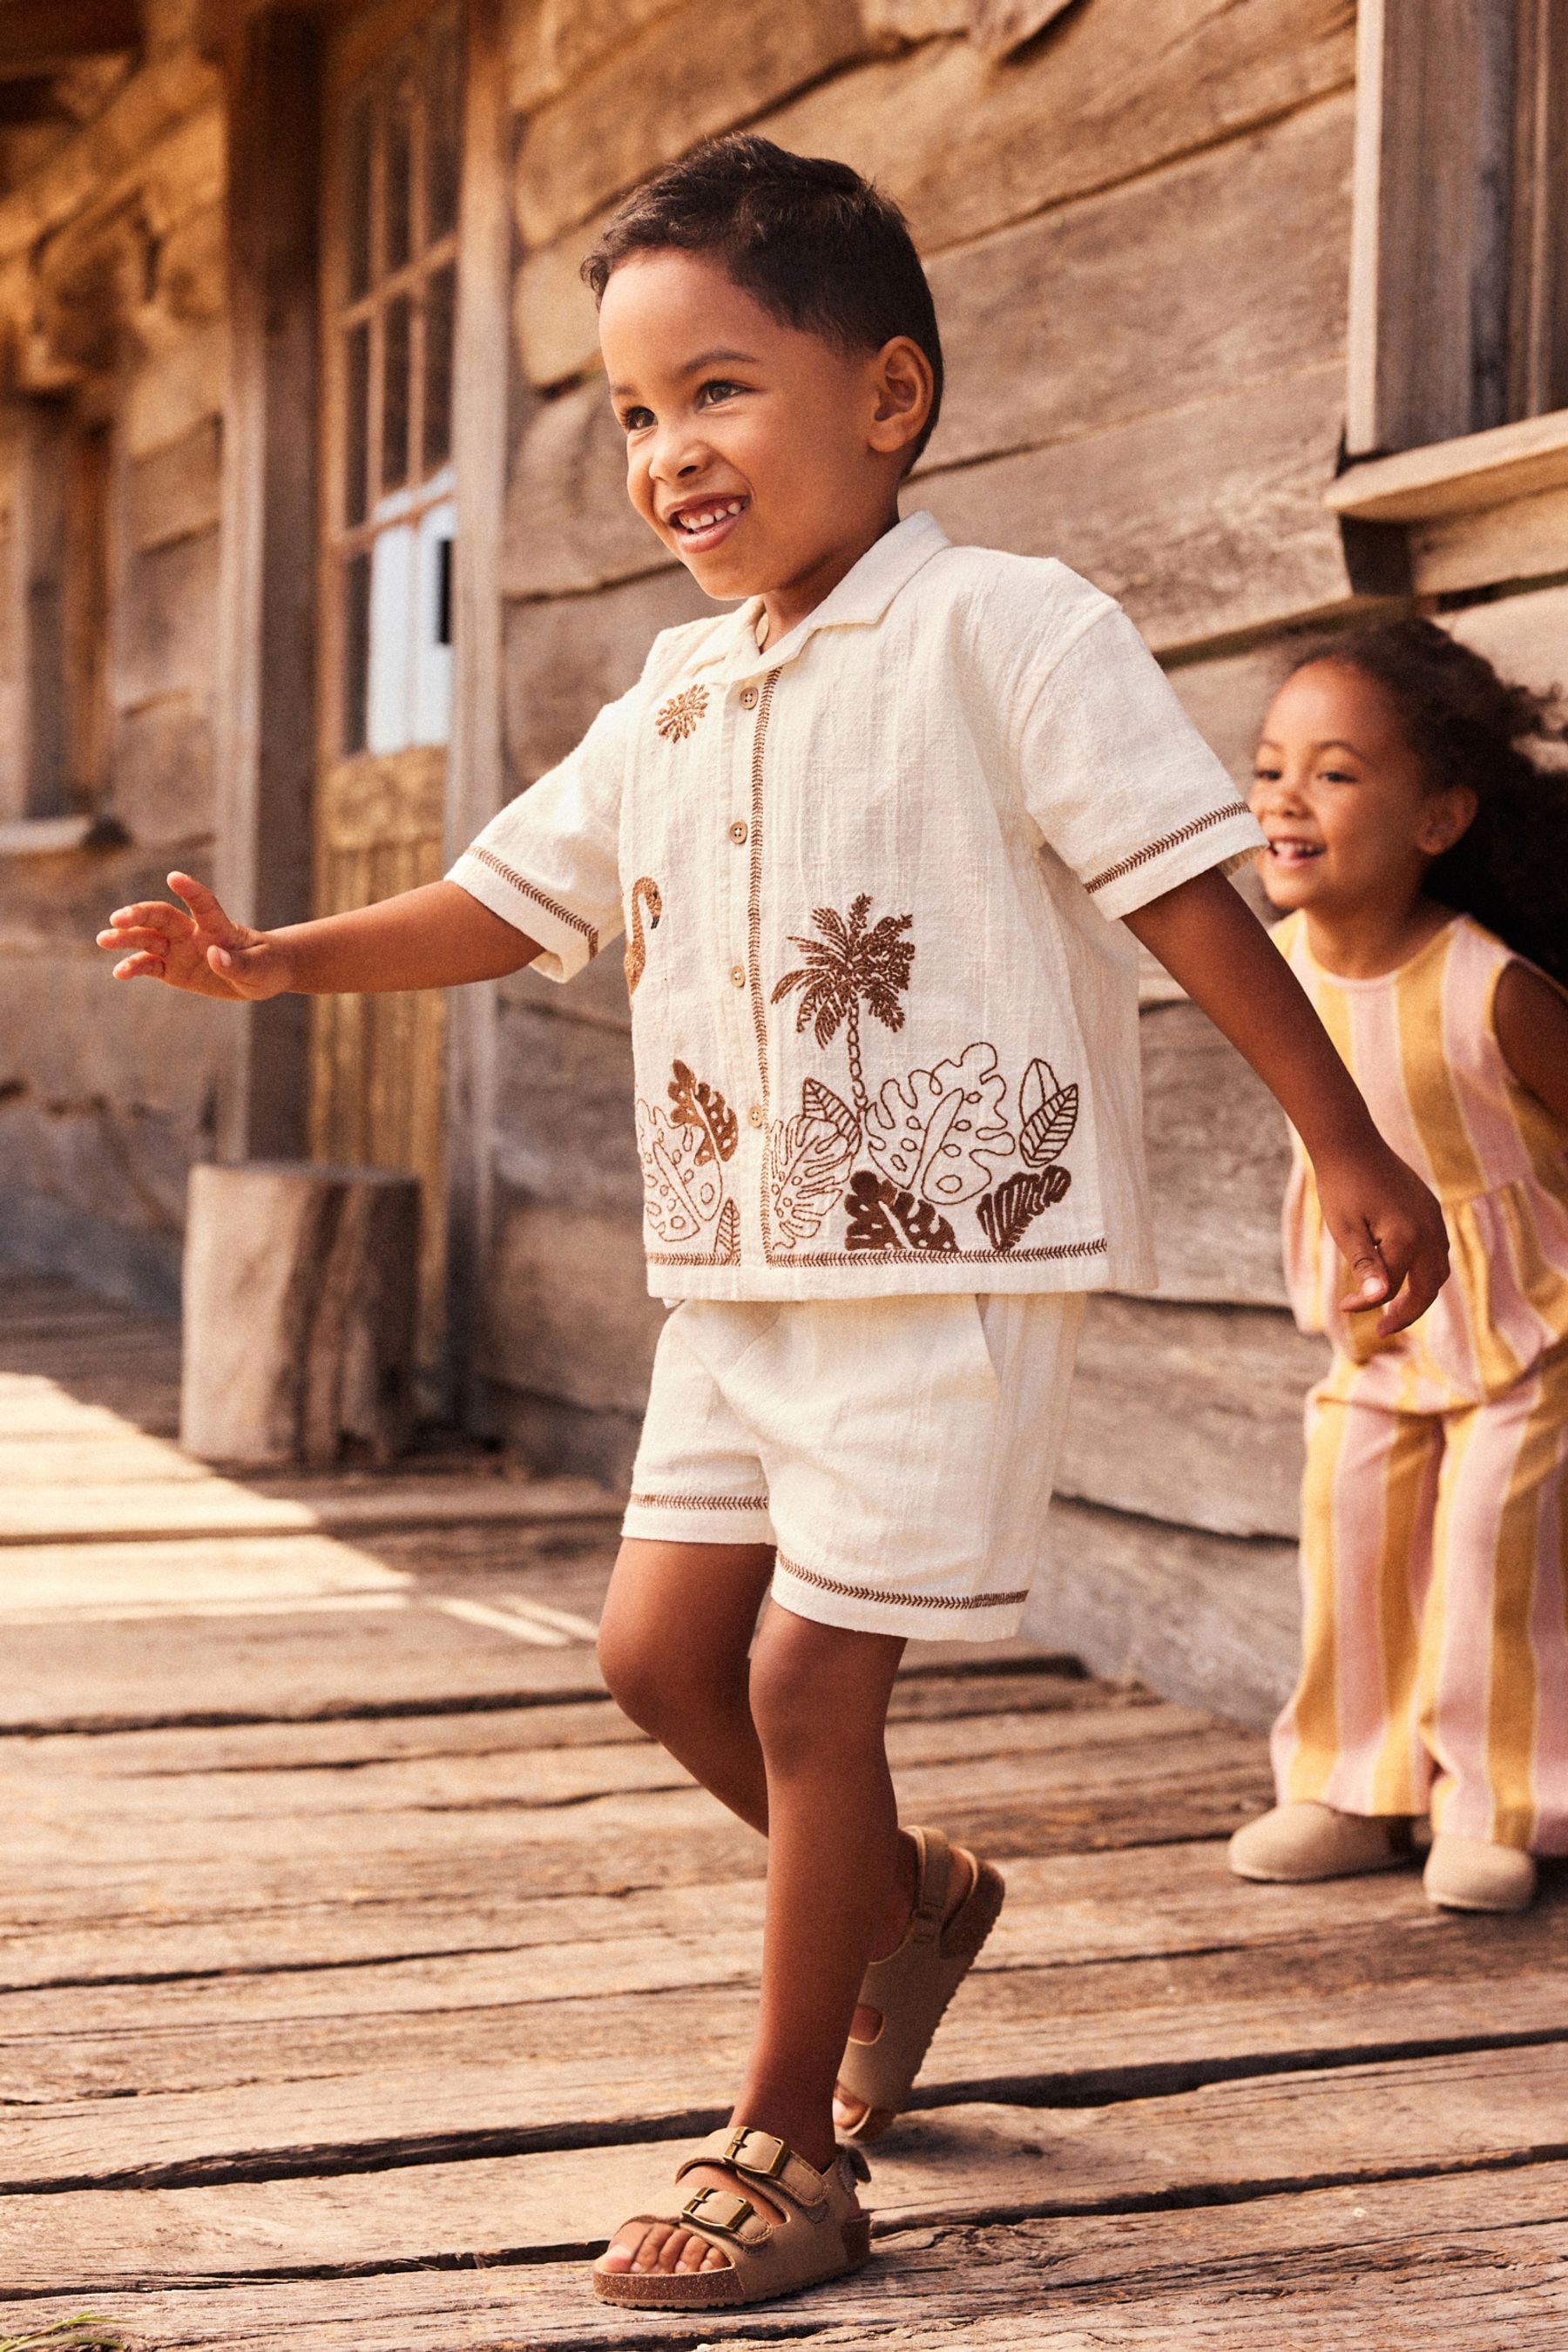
x,y
860,599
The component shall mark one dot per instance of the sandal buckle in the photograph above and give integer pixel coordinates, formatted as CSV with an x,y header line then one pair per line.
x,y
731,2224
774,2168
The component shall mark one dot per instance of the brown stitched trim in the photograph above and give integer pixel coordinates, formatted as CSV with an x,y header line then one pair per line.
x,y
753,940
1168,840
928,1257
551,906
903,1600
698,1502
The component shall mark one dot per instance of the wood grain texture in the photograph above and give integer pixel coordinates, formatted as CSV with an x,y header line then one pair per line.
x,y
1212,1620
1401,2265
958,2164
1218,1157
669,86
1191,1414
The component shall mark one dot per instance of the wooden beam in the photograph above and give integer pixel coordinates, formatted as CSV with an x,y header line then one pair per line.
x,y
44,37
1459,476
265,761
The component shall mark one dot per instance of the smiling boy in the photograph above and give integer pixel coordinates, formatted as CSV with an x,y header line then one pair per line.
x,y
882,839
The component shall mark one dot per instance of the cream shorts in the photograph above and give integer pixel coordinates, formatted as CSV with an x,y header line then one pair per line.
x,y
899,1452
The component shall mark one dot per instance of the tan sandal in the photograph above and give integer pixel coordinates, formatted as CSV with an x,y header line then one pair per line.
x,y
822,2234
912,1988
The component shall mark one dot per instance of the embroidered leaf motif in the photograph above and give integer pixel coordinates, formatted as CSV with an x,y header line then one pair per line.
x,y
700,1105
727,1238
682,1190
937,1131
677,717
881,1217
808,1158
1007,1214
1049,1114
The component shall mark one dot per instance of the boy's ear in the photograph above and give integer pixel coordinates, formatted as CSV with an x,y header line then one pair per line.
x,y
904,387
1446,819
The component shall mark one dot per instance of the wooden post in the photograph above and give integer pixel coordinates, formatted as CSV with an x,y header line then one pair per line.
x,y
300,1290
265,699
476,768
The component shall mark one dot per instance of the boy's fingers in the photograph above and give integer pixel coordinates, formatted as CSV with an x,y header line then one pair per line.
x,y
155,941
151,914
140,967
205,908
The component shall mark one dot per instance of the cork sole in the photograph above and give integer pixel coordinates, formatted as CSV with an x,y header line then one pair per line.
x,y
958,1947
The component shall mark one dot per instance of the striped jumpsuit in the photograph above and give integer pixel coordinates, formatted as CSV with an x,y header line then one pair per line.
x,y
1434,1507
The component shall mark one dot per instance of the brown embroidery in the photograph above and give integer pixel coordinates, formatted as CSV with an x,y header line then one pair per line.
x,y
1049,1114
645,894
847,964
551,906
937,1131
698,1502
902,1599
1007,1214
682,1151
677,717
883,1218
754,928
1167,840
808,1158
727,1239
702,1107
1044,1256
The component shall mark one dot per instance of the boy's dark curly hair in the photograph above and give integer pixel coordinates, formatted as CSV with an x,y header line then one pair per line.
x,y
1468,726
809,239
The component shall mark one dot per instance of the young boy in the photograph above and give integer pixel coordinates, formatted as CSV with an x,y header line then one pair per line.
x,y
882,840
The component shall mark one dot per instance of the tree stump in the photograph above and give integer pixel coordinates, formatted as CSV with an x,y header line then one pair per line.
x,y
300,1288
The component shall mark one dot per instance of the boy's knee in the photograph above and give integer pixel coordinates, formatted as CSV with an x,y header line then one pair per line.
x,y
816,1690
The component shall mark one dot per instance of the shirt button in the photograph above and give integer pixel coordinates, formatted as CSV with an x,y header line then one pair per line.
x,y
754,1115
749,698
738,831
737,975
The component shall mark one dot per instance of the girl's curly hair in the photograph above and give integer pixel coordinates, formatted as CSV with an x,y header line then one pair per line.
x,y
1468,726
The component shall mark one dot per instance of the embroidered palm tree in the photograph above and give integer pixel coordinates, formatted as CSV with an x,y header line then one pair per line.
x,y
848,966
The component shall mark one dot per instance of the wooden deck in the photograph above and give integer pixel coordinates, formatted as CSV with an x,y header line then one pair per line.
x,y
362,1967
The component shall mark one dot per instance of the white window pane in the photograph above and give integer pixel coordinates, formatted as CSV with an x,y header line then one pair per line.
x,y
432,662
390,702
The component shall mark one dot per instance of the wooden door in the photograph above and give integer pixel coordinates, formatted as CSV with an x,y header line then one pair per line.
x,y
392,146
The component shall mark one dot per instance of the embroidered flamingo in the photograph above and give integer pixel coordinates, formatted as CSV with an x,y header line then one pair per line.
x,y
645,893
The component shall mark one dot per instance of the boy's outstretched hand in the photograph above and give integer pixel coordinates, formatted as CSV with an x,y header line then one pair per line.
x,y
196,948
1389,1231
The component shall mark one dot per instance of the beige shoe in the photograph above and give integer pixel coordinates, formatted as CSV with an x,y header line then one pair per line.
x,y
821,2232
912,1988
1467,1874
1303,1841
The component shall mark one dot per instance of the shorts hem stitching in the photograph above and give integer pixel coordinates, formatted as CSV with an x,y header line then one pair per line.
x,y
901,1600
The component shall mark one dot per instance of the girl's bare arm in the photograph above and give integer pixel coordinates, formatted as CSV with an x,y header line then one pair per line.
x,y
436,937
1387,1226
1532,1021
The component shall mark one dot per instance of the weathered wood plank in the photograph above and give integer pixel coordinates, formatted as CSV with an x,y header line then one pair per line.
x,y
1441,2115
1243,542
1218,1155
323,2096
1067,1908
1216,1394
1459,2259
220,1506
668,87
565,659
1210,1620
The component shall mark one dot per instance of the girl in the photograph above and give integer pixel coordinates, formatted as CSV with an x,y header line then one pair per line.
x,y
1423,859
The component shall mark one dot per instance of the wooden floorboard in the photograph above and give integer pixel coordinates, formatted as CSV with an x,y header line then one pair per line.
x,y
360,1965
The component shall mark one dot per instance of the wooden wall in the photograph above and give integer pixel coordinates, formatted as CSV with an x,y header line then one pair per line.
x,y
112,271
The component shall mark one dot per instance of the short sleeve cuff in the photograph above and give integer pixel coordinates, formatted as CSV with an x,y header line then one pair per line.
x,y
567,940
1226,835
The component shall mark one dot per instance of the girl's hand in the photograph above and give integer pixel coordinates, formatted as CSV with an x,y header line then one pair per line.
x,y
1390,1232
198,950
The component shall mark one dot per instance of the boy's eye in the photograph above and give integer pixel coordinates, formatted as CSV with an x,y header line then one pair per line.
x,y
1262,774
720,389
635,420
1338,776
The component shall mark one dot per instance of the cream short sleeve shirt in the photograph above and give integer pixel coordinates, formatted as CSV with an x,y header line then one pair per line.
x,y
884,1014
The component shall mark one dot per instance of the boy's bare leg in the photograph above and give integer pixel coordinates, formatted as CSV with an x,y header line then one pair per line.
x,y
818,1702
